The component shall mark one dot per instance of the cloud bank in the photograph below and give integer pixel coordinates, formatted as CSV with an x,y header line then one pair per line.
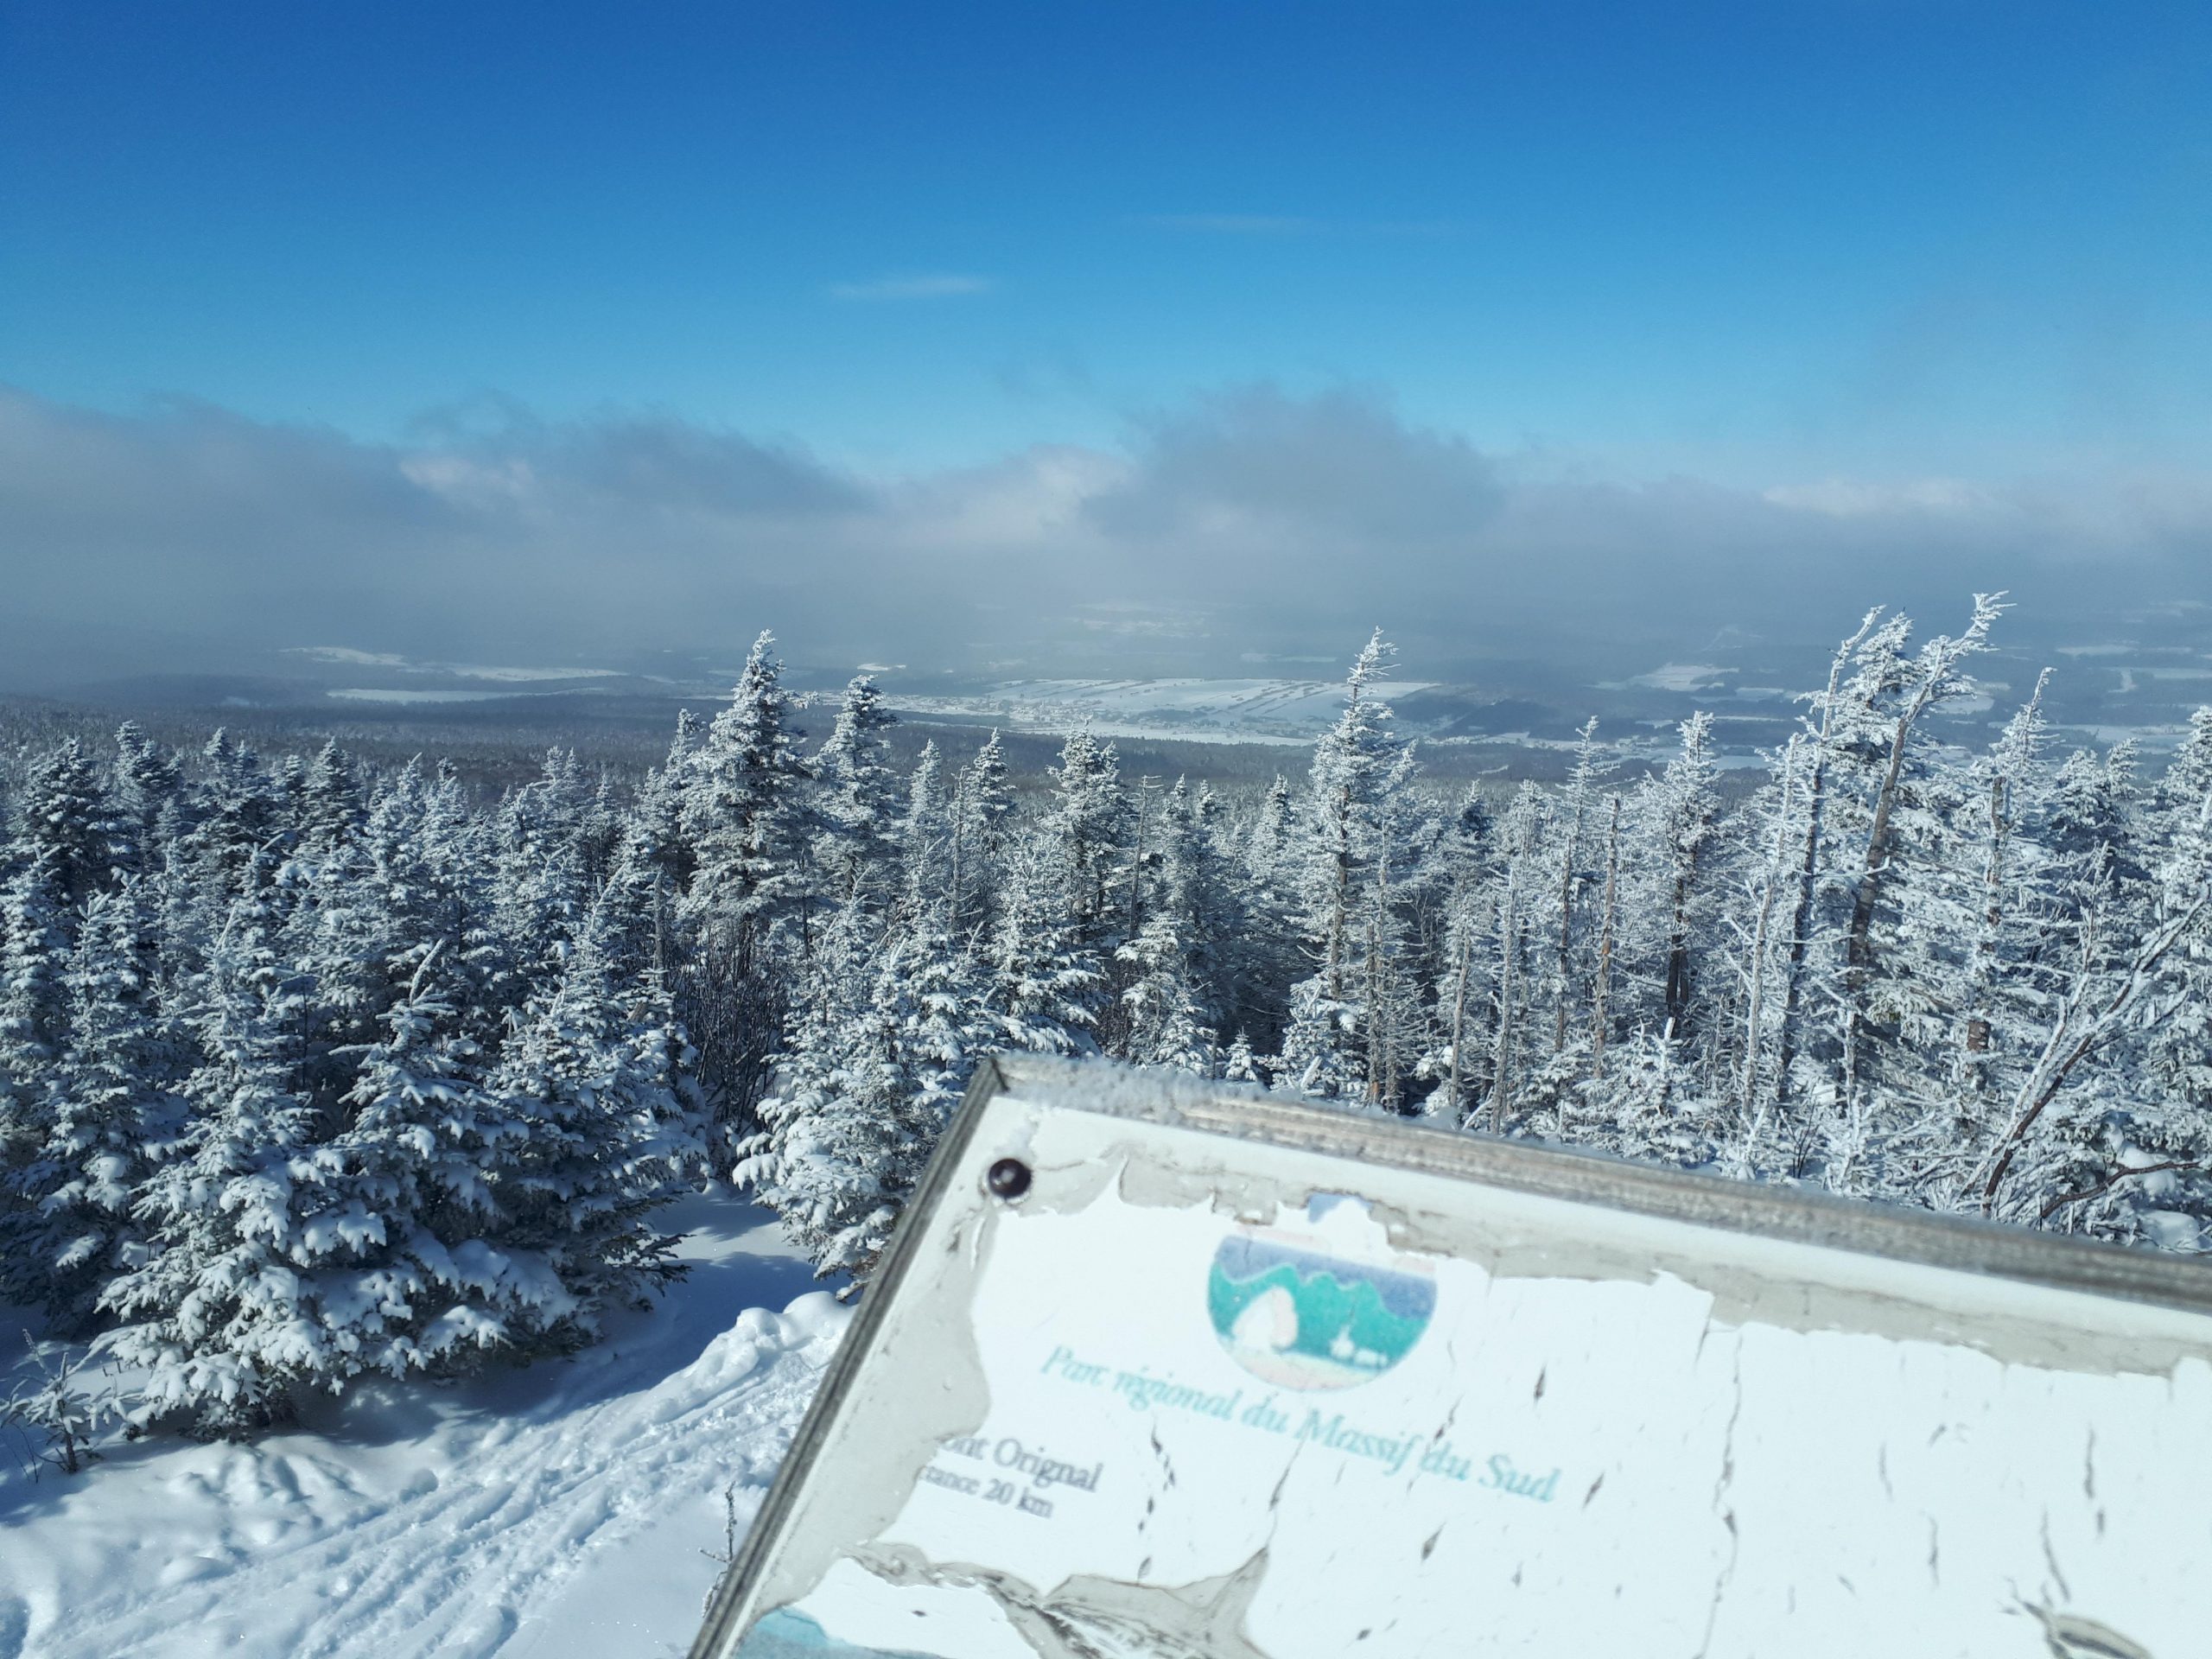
x,y
1249,523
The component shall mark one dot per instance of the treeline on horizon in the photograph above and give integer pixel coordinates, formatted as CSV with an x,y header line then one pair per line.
x,y
308,1076
493,747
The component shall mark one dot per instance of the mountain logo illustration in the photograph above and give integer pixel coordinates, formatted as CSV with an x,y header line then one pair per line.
x,y
1298,1309
788,1633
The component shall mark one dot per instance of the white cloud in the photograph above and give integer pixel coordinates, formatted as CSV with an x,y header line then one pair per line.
x,y
1279,525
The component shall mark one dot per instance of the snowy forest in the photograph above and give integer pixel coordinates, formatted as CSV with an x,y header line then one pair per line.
x,y
308,1074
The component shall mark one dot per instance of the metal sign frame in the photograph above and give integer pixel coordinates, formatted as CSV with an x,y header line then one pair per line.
x,y
1798,1216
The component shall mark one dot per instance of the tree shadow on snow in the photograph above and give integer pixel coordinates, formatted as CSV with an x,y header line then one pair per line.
x,y
734,1262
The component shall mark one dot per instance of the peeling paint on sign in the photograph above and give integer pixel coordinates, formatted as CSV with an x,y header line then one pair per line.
x,y
1192,1392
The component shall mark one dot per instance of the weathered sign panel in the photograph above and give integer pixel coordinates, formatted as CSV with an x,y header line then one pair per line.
x,y
1157,1370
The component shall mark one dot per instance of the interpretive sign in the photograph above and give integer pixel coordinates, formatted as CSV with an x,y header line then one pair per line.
x,y
1172,1371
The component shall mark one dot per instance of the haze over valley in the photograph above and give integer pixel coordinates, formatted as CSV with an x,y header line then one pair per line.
x,y
608,611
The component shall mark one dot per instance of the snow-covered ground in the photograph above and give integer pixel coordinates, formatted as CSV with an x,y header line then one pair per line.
x,y
1238,711
344,655
395,695
549,1513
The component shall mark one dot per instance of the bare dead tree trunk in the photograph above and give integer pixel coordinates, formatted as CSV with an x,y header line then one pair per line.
x,y
1374,1015
959,837
1509,951
660,922
1460,1022
1809,868
1754,998
1859,954
1381,1041
1340,900
1976,1043
1602,991
1973,1067
1677,1003
1566,927
1144,787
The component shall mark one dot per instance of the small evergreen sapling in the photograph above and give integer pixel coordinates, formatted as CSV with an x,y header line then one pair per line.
x,y
53,1411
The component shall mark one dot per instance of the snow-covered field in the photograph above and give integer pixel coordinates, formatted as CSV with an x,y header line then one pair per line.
x,y
549,1513
1238,711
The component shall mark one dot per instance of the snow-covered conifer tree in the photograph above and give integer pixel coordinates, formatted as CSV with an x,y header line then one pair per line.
x,y
1640,1108
412,1272
1240,1063
66,817
661,813
2179,1063
540,880
1163,1021
112,1116
886,1041
220,1313
747,809
981,805
598,1141
1045,986
1088,826
858,795
1891,697
235,817
145,794
1512,910
1354,803
803,1162
331,806
33,1028
745,921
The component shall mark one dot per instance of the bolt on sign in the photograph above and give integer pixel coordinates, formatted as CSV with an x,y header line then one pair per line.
x,y
1161,1369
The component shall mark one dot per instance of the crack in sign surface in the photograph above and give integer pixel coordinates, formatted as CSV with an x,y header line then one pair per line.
x,y
1232,1520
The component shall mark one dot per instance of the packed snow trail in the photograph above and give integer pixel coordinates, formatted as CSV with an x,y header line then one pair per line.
x,y
555,1511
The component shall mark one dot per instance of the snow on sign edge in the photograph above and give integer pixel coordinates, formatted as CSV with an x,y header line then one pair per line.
x,y
1813,1328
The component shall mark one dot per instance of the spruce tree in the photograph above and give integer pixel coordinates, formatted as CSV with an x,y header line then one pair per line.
x,y
113,1117
66,818
747,809
1045,986
236,825
33,1029
220,1315
414,1270
595,1145
858,797
1088,829
746,921
1353,817
980,820
1164,1023
884,1050
928,848
145,795
331,811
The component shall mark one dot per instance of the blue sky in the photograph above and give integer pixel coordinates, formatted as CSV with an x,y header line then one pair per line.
x,y
1137,317
1843,233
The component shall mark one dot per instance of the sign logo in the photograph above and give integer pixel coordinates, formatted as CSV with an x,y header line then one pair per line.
x,y
1326,1305
787,1633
